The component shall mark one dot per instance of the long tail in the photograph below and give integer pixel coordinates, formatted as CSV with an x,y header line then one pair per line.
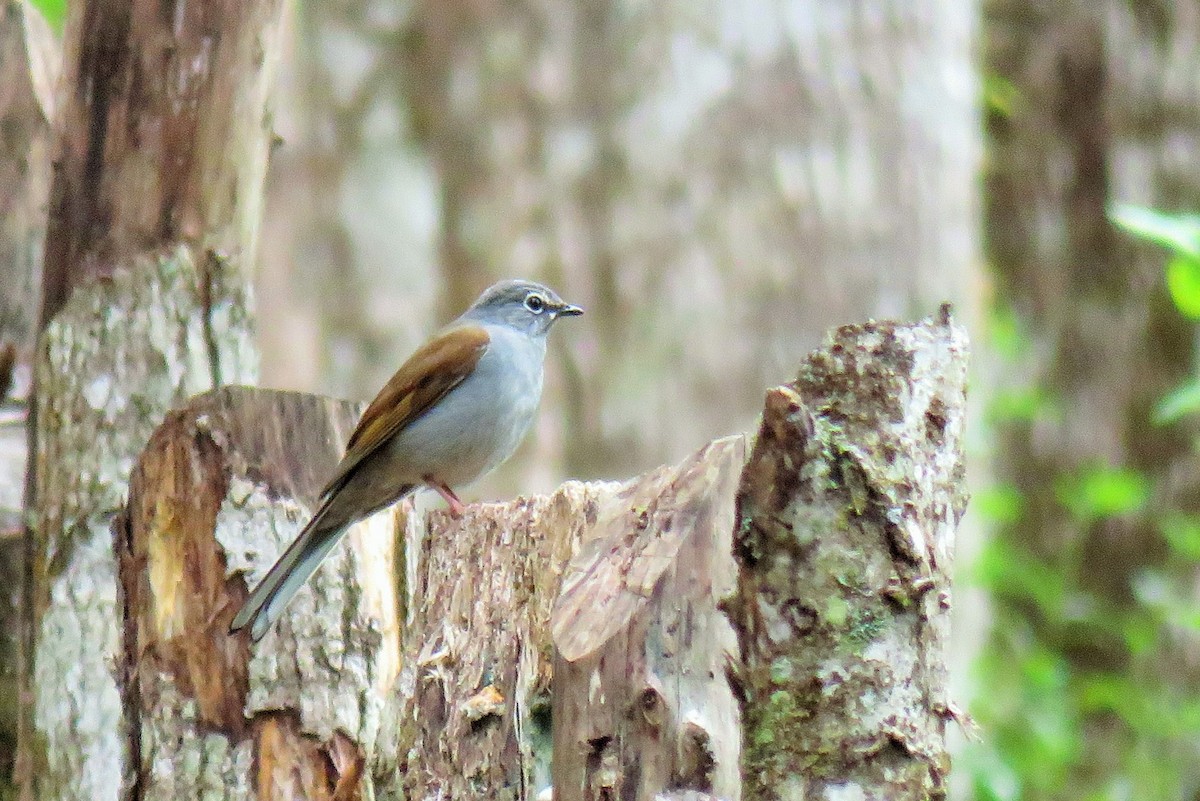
x,y
287,576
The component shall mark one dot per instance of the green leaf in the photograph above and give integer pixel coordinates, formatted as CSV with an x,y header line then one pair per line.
x,y
1019,405
1178,403
1182,533
1006,569
1140,634
1183,282
1180,233
1100,492
55,12
1000,95
1001,503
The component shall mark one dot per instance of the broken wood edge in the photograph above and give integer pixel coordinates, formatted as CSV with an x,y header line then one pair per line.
x,y
183,678
641,705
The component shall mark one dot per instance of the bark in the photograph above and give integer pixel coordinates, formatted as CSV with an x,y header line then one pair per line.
x,y
641,701
473,708
154,209
434,657
28,71
846,515
1104,109
115,358
222,487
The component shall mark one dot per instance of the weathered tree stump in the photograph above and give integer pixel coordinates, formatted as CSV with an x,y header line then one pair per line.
x,y
222,487
844,540
473,709
732,626
641,701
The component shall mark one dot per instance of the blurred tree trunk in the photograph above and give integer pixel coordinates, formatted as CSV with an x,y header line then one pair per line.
x,y
1093,104
347,286
154,210
29,65
716,183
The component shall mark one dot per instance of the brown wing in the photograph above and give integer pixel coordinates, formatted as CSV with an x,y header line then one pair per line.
x,y
437,367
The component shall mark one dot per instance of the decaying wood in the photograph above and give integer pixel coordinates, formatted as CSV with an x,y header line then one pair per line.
x,y
115,358
641,703
162,143
223,486
844,540
473,711
718,629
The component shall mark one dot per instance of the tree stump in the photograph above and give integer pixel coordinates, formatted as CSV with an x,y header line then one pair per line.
x,y
844,539
222,487
163,134
736,625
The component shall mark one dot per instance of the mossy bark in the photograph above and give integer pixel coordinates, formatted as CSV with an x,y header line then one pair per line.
x,y
846,515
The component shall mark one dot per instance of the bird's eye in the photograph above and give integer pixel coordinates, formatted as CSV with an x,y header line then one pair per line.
x,y
535,303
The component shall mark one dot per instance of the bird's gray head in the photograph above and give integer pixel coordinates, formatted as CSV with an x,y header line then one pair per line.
x,y
524,305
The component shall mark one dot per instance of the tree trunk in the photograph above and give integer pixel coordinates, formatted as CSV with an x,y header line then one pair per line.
x,y
1098,104
154,208
29,62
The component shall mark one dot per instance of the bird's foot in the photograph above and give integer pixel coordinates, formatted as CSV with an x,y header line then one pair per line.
x,y
456,506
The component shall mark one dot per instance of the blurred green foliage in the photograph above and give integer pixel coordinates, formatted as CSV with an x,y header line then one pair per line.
x,y
1037,699
55,12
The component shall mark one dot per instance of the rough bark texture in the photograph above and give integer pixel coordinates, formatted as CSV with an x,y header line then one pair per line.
x,y
162,148
641,701
222,488
430,665
1104,108
164,134
29,62
114,360
846,515
472,709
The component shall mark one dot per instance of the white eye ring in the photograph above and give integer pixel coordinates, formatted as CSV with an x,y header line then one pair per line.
x,y
535,303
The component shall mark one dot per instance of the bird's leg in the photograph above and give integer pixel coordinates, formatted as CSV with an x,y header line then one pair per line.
x,y
456,506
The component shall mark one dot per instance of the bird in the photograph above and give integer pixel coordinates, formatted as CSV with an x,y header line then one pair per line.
x,y
455,410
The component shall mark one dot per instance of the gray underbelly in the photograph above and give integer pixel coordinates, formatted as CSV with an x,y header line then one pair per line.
x,y
470,431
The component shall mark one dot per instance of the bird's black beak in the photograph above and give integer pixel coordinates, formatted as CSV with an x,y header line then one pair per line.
x,y
567,310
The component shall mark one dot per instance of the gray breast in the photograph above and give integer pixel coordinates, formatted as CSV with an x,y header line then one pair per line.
x,y
479,423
